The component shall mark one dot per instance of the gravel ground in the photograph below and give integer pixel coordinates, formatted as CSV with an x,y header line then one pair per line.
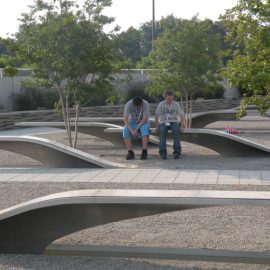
x,y
231,227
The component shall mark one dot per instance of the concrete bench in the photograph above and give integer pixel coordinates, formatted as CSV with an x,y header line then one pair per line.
x,y
91,128
199,119
202,119
53,154
31,226
222,142
110,120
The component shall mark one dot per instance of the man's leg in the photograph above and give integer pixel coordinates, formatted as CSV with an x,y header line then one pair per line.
x,y
163,130
175,128
144,130
127,138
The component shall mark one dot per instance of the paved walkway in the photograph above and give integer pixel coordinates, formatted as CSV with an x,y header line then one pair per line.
x,y
179,176
222,177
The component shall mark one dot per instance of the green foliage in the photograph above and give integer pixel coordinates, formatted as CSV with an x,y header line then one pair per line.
x,y
10,71
184,55
36,94
4,61
132,45
127,45
93,94
211,91
33,98
3,47
248,26
64,44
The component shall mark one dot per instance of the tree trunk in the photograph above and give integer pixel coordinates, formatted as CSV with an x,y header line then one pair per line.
x,y
64,115
190,112
76,125
68,122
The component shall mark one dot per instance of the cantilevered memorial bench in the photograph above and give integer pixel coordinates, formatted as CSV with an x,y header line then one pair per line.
x,y
53,154
222,142
199,119
110,120
202,119
91,128
32,226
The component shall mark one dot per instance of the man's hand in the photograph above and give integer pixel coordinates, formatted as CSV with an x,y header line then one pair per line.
x,y
181,128
134,133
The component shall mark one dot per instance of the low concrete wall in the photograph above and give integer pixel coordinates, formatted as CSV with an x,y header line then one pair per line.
x,y
7,120
8,87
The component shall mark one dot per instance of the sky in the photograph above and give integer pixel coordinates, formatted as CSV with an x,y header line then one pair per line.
x,y
126,12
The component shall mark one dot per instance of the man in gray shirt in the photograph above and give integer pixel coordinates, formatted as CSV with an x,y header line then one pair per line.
x,y
169,116
136,119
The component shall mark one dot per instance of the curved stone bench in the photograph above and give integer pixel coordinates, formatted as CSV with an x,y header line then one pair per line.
x,y
222,142
202,119
31,226
110,120
91,128
53,154
199,120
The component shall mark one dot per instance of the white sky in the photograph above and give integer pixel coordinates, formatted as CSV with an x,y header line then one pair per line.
x,y
126,12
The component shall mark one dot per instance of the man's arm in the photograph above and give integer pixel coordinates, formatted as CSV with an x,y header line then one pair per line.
x,y
183,122
157,115
146,114
182,118
125,119
144,120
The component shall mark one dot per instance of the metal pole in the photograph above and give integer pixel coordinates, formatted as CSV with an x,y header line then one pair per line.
x,y
153,23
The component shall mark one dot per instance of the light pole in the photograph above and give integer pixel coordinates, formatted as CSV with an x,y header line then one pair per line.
x,y
153,23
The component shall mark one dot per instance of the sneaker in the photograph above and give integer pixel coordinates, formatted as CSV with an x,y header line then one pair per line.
x,y
144,154
163,156
130,155
176,155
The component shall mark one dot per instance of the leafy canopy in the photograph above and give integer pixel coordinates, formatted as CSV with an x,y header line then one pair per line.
x,y
184,55
248,27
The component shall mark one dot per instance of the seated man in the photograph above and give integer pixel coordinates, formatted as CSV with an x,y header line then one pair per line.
x,y
169,116
136,119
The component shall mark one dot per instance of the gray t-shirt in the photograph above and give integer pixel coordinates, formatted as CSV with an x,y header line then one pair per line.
x,y
169,112
136,114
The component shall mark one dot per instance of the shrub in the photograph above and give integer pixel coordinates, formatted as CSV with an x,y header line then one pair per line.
x,y
32,98
211,91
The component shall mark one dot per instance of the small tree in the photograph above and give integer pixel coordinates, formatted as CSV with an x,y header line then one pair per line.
x,y
248,26
184,57
68,50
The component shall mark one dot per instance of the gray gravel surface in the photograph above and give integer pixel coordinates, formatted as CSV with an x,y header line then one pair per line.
x,y
231,227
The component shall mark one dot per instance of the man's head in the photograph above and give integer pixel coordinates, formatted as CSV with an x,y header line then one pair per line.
x,y
137,101
168,96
